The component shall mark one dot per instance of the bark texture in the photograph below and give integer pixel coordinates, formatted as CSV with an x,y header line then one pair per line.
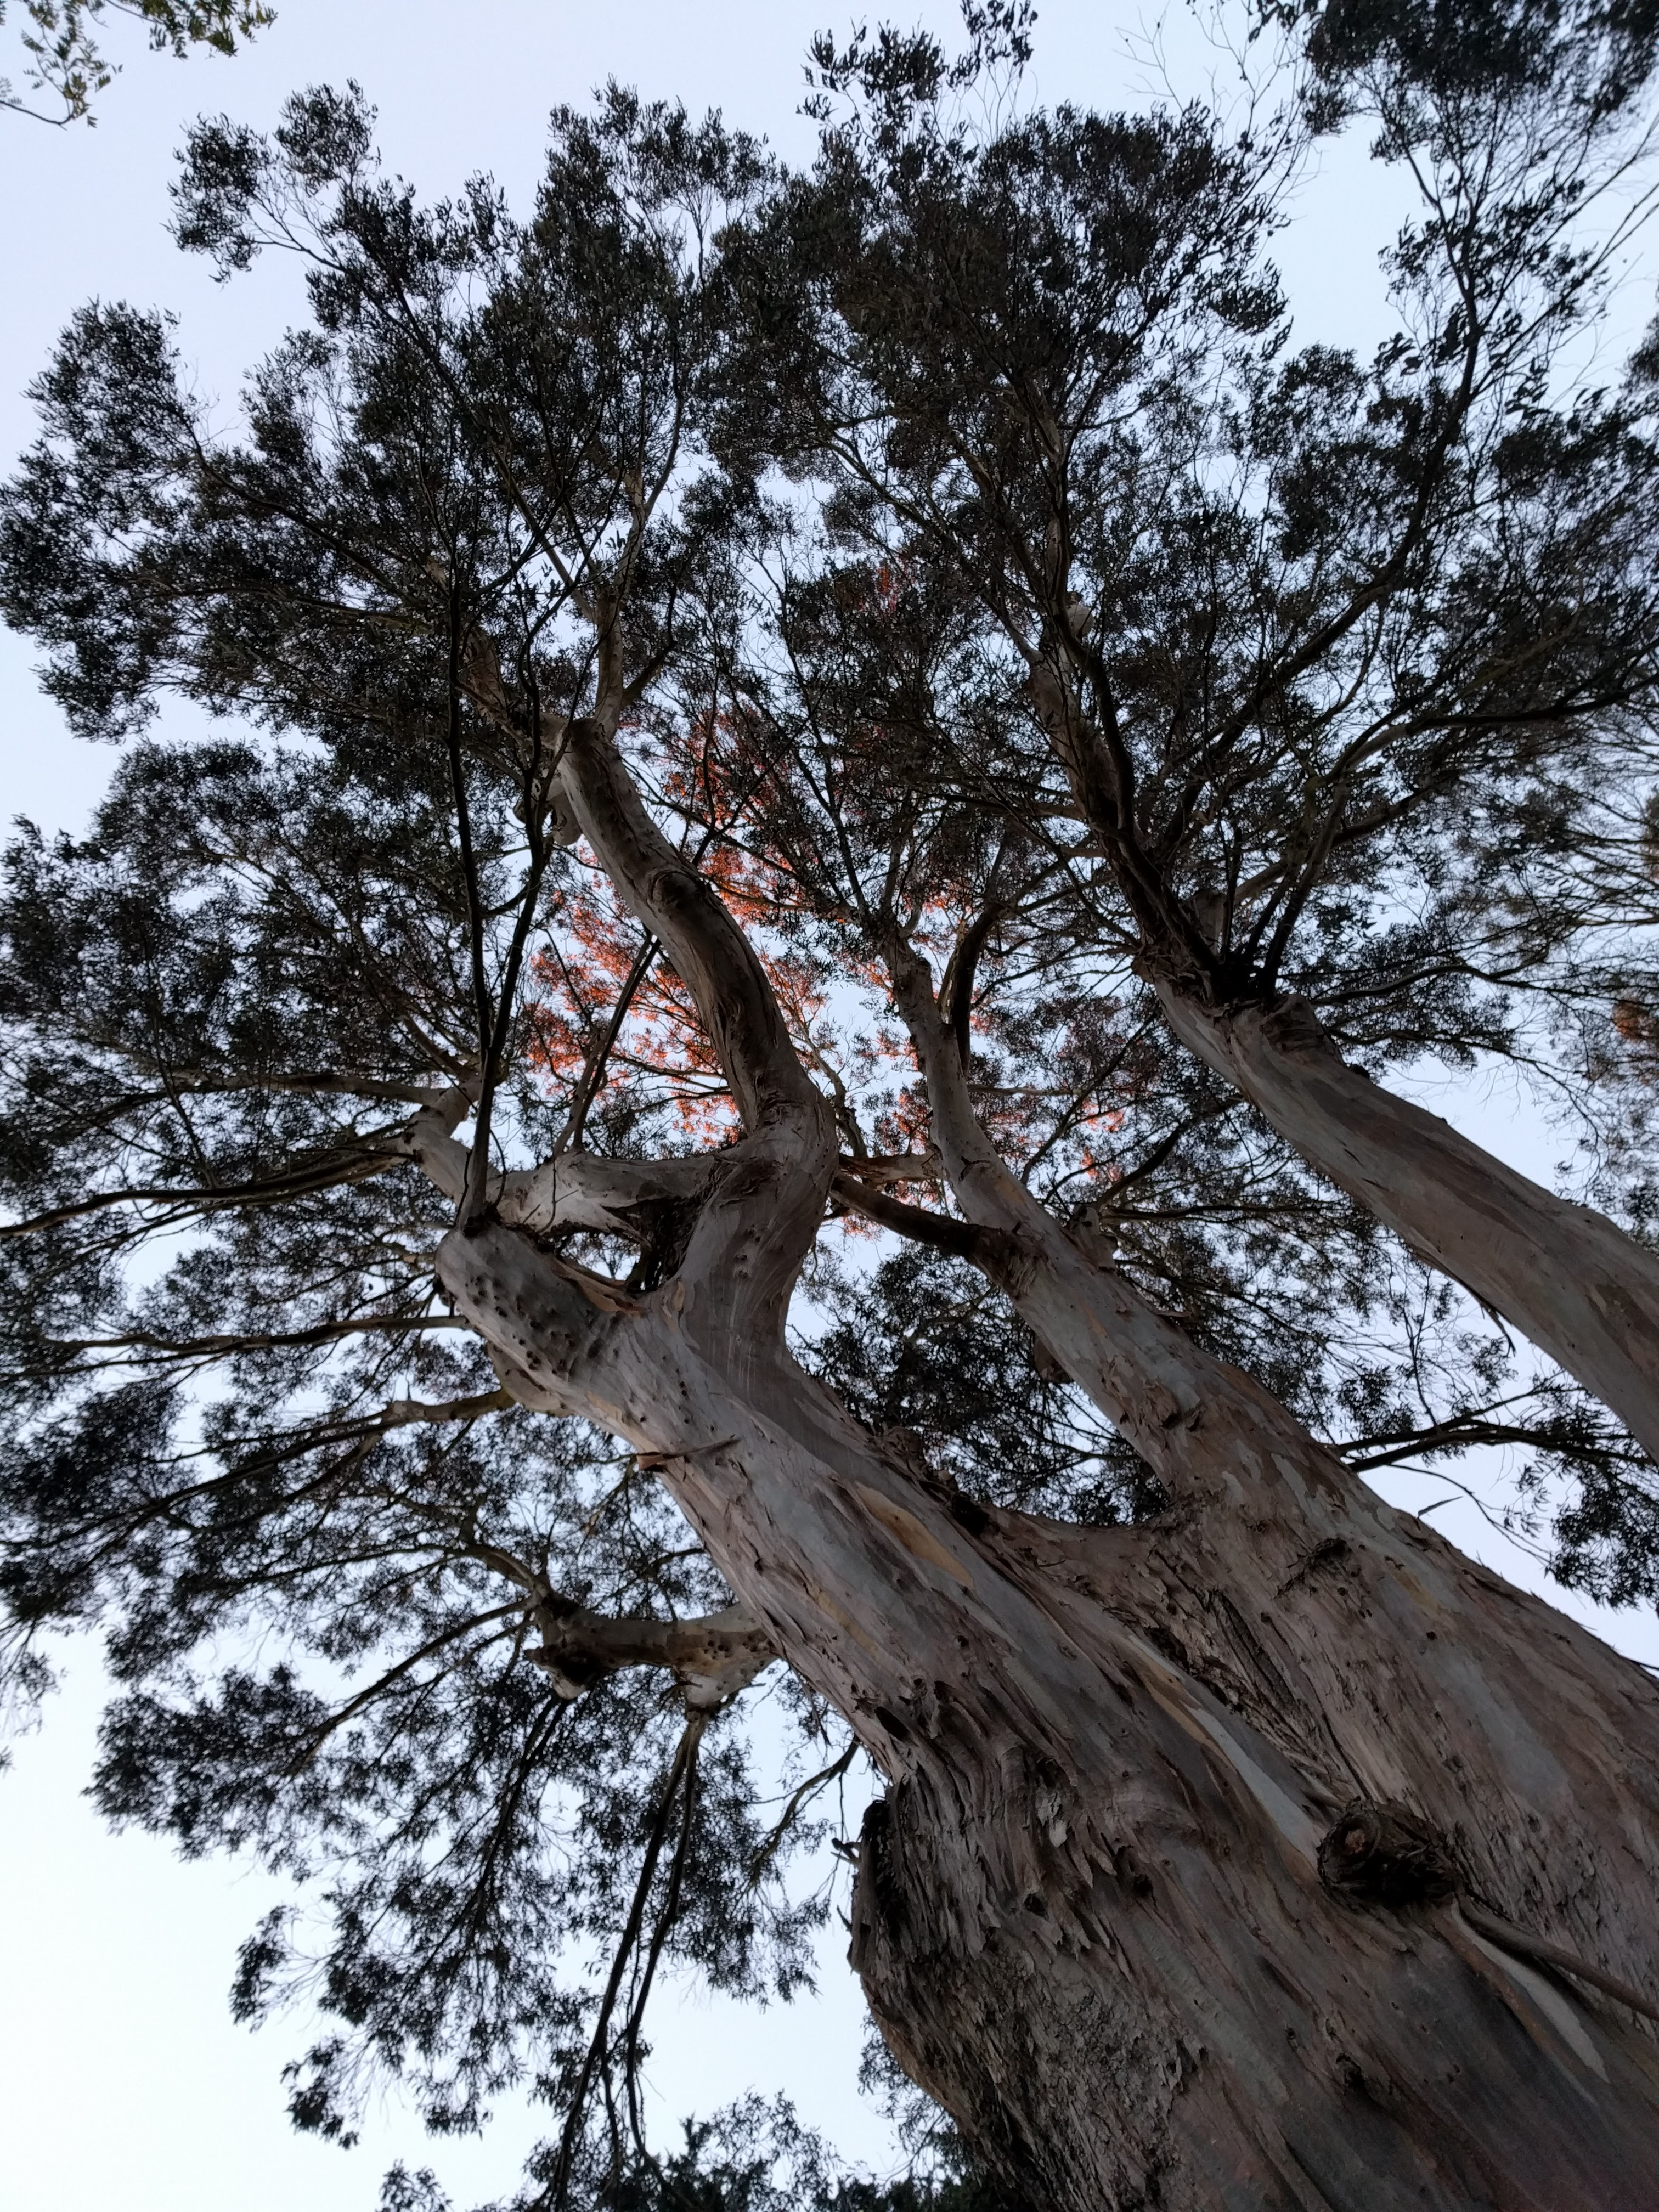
x,y
1211,2015
1091,1913
1107,1944
1563,1274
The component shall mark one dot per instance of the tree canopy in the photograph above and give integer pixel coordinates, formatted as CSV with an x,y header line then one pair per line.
x,y
971,579
65,60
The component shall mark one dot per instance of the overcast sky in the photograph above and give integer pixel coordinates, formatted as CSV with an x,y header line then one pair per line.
x,y
123,2083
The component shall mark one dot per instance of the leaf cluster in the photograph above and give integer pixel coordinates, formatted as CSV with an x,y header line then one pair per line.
x,y
65,57
975,557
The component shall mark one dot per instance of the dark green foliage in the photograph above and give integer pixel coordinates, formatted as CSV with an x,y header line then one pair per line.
x,y
1321,615
921,1345
64,57
172,975
869,463
249,1443
752,2157
1475,59
1348,668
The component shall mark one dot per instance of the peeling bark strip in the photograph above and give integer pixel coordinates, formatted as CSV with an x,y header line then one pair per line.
x,y
916,1538
1576,1285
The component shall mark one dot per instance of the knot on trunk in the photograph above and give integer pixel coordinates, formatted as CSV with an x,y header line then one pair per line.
x,y
1293,1025
879,1893
1385,1854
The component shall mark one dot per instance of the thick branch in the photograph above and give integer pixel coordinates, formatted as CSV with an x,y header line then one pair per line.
x,y
654,1204
617,1198
407,1412
430,1141
713,1656
707,948
1586,1293
922,1226
541,1318
959,981
1202,1427
884,1168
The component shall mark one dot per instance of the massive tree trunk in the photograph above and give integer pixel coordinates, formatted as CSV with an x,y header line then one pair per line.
x,y
1220,1853
1103,1941
1090,1914
1565,1275
1171,1994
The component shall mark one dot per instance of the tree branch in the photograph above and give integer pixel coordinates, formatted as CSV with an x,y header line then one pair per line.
x,y
707,948
298,1182
922,1225
712,1656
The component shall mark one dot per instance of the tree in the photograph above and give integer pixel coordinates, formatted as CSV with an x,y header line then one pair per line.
x,y
1308,642
454,1069
65,57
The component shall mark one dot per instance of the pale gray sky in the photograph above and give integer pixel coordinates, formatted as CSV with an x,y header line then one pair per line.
x,y
122,2080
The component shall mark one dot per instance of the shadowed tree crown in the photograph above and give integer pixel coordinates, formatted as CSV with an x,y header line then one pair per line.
x,y
60,38
623,1212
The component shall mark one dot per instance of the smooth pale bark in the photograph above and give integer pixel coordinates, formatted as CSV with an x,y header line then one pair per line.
x,y
1089,1913
1090,1917
1379,1667
712,1657
1565,1275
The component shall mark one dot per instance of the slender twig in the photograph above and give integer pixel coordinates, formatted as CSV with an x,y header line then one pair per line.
x,y
557,2194
592,1074
665,1919
472,1196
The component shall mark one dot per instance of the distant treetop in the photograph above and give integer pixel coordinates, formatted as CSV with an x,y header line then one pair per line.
x,y
66,62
